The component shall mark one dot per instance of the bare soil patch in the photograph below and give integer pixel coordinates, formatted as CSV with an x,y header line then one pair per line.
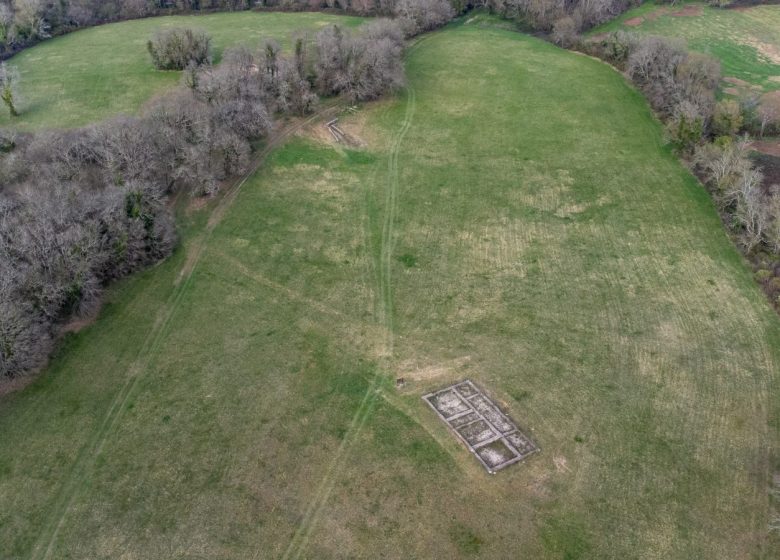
x,y
772,99
771,148
655,14
8,386
412,371
78,323
736,81
196,204
689,11
767,50
634,22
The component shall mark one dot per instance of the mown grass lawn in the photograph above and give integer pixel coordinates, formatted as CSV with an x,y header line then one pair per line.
x,y
513,218
99,72
746,41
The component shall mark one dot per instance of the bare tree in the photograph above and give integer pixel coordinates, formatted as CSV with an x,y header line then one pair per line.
x,y
176,48
751,212
564,32
768,116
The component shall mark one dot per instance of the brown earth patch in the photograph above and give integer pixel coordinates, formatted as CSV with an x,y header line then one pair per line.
x,y
8,386
736,81
768,147
318,133
688,11
79,323
768,50
655,14
351,138
634,22
771,99
561,464
733,91
412,371
197,203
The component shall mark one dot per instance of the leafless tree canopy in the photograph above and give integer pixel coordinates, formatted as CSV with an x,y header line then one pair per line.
x,y
361,67
177,48
79,208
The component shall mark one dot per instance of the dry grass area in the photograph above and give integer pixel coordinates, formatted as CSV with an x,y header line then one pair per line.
x,y
546,246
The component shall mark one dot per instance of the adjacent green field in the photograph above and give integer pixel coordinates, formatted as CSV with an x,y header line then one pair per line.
x,y
747,42
98,72
535,238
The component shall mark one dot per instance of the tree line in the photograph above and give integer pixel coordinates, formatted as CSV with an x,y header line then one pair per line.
x,y
712,137
26,22
80,208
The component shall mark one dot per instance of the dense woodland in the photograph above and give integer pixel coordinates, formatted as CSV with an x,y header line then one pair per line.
x,y
79,208
25,22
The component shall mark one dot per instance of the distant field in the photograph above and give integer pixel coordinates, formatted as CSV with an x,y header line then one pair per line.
x,y
102,71
488,223
746,41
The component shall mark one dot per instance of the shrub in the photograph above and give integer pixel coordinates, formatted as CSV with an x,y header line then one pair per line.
x,y
685,128
565,32
9,88
175,49
727,118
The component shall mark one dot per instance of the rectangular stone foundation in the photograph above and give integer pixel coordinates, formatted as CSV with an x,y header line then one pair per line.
x,y
488,433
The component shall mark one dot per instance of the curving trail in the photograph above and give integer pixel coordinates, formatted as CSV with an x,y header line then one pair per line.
x,y
80,471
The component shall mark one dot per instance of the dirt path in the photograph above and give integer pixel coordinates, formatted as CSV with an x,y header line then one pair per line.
x,y
314,512
85,460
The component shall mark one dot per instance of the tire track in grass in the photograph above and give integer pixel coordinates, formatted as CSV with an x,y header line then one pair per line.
x,y
89,453
314,511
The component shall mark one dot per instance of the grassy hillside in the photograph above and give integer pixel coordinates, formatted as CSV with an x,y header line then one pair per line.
x,y
746,41
237,401
98,72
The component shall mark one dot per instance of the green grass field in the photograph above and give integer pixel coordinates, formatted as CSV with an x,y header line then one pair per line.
x,y
102,71
237,401
747,42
